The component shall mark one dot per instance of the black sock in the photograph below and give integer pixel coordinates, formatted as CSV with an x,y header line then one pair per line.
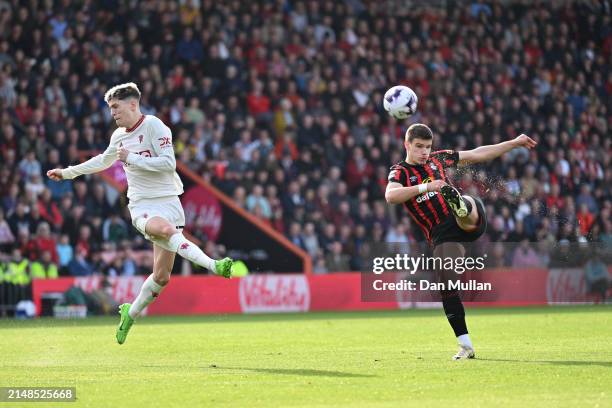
x,y
455,313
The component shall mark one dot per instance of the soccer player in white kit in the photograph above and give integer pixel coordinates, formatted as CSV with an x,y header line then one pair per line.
x,y
144,144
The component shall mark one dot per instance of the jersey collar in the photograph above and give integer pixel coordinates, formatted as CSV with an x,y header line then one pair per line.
x,y
414,165
136,125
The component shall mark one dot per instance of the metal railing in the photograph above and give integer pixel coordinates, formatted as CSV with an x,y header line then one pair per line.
x,y
10,295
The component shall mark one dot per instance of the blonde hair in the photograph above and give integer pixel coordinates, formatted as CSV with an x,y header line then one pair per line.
x,y
122,91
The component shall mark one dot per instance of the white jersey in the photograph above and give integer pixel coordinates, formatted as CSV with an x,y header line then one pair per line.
x,y
151,168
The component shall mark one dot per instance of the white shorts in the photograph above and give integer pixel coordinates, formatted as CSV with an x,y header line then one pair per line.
x,y
168,208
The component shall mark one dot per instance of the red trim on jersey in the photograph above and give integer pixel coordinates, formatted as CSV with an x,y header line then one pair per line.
x,y
427,201
448,151
407,175
419,211
430,172
136,125
439,164
410,212
423,228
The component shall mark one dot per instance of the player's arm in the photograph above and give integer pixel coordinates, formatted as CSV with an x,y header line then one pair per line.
x,y
490,152
396,193
94,165
162,144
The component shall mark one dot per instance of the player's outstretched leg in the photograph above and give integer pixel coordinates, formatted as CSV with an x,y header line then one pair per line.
x,y
188,250
125,323
149,291
152,287
451,301
455,200
465,208
166,236
455,313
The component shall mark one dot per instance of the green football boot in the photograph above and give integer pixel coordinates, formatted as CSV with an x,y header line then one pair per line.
x,y
223,267
125,324
455,200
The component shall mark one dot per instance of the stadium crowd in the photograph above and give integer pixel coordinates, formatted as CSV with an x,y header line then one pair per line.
x,y
278,103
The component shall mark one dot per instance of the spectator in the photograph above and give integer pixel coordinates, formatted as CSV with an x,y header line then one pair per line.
x,y
336,260
239,197
257,102
525,256
358,170
587,199
48,210
45,268
83,243
396,234
114,229
189,49
597,277
7,239
79,266
8,96
585,219
295,231
518,234
257,199
533,219
18,269
29,167
64,251
34,187
310,240
43,242
319,267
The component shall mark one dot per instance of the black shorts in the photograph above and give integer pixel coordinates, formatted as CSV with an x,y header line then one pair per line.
x,y
449,231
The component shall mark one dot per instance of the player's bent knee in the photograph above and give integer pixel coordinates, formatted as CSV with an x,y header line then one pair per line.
x,y
164,233
159,228
167,231
162,278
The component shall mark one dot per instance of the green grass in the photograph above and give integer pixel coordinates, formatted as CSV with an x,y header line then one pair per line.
x,y
526,357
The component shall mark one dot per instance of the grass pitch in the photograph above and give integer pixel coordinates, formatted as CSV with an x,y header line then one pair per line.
x,y
526,357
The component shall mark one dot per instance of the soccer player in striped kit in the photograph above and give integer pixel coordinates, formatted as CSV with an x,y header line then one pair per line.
x,y
445,217
144,144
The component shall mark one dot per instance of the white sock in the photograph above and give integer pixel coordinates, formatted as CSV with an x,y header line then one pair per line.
x,y
188,250
149,291
464,340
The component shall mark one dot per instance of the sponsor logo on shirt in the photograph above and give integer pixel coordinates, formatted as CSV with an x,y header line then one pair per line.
x,y
164,142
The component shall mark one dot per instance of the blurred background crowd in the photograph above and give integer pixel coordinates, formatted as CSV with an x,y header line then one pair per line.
x,y
278,104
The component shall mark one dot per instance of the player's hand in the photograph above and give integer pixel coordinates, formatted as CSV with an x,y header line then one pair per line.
x,y
435,185
525,141
122,154
55,174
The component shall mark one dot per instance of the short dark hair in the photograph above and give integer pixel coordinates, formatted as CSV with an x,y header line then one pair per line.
x,y
418,131
123,91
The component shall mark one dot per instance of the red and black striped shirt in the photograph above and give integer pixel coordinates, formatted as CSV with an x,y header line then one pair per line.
x,y
427,209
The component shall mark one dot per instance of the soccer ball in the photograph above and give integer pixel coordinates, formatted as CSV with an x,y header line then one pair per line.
x,y
400,102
